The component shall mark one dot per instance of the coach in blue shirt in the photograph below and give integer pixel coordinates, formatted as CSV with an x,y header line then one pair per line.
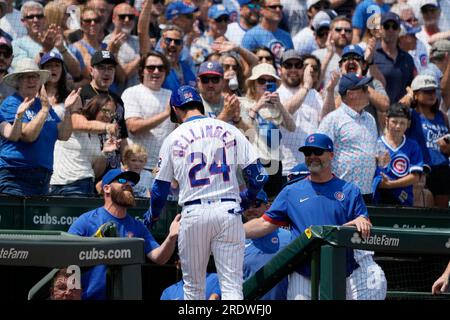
x,y
396,65
320,199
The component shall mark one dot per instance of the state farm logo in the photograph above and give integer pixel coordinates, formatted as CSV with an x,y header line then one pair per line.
x,y
377,240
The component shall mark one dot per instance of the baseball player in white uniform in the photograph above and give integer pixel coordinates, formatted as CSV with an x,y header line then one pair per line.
x,y
202,154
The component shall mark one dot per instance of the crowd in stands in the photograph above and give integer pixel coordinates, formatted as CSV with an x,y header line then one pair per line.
x,y
85,88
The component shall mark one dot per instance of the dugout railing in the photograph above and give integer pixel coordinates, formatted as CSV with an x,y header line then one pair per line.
x,y
325,248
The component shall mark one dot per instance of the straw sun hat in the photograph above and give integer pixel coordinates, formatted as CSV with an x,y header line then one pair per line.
x,y
25,66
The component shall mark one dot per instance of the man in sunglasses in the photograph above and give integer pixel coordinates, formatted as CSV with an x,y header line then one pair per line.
x,y
118,196
396,65
354,133
124,19
320,199
6,56
248,18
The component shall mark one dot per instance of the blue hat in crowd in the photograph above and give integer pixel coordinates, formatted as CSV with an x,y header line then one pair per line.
x,y
353,49
244,2
390,16
217,10
406,28
52,55
181,97
319,141
300,171
177,8
352,81
115,174
210,67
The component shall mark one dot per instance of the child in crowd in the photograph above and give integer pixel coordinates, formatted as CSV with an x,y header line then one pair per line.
x,y
134,159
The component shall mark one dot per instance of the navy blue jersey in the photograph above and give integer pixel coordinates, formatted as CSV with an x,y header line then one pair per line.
x,y
405,159
306,203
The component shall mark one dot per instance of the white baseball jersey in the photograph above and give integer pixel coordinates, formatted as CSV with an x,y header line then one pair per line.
x,y
202,155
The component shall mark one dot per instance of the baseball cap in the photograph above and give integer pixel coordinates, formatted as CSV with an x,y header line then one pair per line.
x,y
177,8
115,174
423,82
433,3
439,48
321,20
352,81
263,69
181,97
244,2
52,55
353,49
310,3
217,10
390,16
210,67
4,42
319,141
290,54
103,56
406,28
398,110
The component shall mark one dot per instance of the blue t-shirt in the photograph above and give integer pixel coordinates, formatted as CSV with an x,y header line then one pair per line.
x,y
278,41
433,130
176,292
36,154
306,203
259,251
173,83
94,281
405,159
364,10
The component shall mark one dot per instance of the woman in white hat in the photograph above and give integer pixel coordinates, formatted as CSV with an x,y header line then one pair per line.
x,y
265,112
26,165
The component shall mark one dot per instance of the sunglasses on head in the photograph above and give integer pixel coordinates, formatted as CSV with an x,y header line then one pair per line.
x,y
390,25
89,21
290,65
317,152
339,30
32,16
168,41
206,80
123,181
152,68
124,16
263,81
223,18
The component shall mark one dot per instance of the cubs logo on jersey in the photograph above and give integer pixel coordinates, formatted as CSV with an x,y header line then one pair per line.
x,y
339,196
400,165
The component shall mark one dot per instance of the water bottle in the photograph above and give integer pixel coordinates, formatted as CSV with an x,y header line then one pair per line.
x,y
233,84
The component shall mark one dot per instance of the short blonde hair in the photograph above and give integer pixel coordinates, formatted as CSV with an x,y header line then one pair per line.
x,y
134,149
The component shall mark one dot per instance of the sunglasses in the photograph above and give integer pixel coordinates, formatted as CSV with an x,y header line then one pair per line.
x,y
351,57
309,152
152,68
391,25
32,16
254,6
6,54
230,66
267,58
339,30
123,181
411,20
223,18
263,81
189,16
428,91
108,112
206,80
124,16
290,65
275,7
89,21
158,1
168,41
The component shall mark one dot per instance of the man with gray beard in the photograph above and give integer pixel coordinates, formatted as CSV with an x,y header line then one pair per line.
x,y
118,195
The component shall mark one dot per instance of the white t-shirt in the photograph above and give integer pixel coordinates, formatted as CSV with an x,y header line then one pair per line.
x,y
203,155
235,33
306,118
142,102
304,41
74,158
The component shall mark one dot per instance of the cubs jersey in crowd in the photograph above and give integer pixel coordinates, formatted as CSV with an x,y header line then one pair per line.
x,y
205,170
405,159
306,203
